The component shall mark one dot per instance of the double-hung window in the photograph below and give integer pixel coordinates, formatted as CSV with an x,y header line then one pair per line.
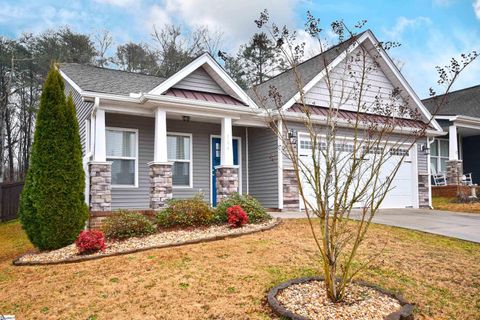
x,y
179,147
122,151
439,155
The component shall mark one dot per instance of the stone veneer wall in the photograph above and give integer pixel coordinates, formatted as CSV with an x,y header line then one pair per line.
x,y
160,184
100,186
454,172
423,194
291,197
227,181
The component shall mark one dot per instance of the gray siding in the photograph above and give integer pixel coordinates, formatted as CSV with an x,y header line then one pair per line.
x,y
83,110
263,166
138,198
199,80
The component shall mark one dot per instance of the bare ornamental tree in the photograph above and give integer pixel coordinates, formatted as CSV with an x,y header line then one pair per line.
x,y
359,132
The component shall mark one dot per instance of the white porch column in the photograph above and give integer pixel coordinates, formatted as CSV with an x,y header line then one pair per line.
x,y
160,170
100,170
100,154
452,143
226,149
160,147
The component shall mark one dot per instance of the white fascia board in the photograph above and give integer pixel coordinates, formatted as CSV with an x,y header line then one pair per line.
x,y
346,124
194,65
369,35
70,82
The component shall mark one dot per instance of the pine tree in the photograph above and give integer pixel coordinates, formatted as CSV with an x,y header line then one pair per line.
x,y
52,208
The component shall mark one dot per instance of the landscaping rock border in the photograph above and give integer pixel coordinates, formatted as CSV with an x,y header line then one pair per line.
x,y
17,261
405,312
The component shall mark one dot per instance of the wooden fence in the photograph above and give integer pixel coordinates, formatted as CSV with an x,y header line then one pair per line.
x,y
10,200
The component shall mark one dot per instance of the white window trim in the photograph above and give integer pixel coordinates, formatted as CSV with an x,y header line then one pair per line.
x,y
126,186
240,177
190,185
439,157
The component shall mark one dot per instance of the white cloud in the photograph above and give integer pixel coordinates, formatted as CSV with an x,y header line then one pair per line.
x,y
436,49
476,8
233,18
404,23
119,3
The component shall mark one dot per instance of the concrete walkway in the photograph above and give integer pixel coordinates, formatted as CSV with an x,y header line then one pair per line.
x,y
464,226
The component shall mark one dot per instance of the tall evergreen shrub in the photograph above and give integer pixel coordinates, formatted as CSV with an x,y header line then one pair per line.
x,y
52,208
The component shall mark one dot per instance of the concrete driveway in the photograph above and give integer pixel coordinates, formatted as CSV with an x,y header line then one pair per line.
x,y
464,226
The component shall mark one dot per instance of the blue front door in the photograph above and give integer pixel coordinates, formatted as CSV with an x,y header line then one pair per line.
x,y
216,143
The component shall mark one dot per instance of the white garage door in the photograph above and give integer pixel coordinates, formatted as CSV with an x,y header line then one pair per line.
x,y
402,193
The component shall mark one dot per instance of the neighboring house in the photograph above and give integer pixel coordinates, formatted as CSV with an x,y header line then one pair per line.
x,y
459,117
146,139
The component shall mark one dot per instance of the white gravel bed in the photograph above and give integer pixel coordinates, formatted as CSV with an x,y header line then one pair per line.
x,y
161,239
309,300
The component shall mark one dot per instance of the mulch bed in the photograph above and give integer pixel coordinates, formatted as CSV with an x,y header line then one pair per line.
x,y
163,239
305,298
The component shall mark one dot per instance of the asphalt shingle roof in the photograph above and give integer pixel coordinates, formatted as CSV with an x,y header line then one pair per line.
x,y
285,82
465,102
90,78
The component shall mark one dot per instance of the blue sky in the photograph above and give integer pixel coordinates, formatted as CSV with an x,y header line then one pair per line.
x,y
430,31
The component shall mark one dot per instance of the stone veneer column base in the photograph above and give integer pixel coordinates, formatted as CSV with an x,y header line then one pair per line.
x,y
100,186
160,183
226,181
423,194
291,197
454,172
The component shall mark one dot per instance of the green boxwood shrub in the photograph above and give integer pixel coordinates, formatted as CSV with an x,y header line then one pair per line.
x,y
186,213
254,210
125,224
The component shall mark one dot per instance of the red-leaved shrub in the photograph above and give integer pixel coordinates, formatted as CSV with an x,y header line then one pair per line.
x,y
236,216
90,241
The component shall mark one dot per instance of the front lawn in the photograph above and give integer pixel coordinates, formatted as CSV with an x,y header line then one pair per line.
x,y
228,279
448,204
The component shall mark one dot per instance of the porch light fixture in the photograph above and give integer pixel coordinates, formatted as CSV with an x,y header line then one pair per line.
x,y
186,118
292,136
425,148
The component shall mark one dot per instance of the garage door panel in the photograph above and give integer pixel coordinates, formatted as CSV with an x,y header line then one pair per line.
x,y
401,193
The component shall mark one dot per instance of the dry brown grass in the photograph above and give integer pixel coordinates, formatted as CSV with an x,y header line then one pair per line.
x,y
228,279
447,204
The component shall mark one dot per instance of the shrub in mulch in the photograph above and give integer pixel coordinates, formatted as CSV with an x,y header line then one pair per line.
x,y
255,211
236,217
90,241
194,212
124,224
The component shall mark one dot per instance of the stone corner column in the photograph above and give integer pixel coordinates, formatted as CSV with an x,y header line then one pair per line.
x,y
160,183
100,185
291,195
226,180
454,172
423,191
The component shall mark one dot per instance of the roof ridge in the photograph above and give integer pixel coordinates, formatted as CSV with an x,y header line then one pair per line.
x,y
109,69
452,92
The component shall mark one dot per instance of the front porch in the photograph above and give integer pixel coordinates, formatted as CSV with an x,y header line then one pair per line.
x,y
140,162
456,155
